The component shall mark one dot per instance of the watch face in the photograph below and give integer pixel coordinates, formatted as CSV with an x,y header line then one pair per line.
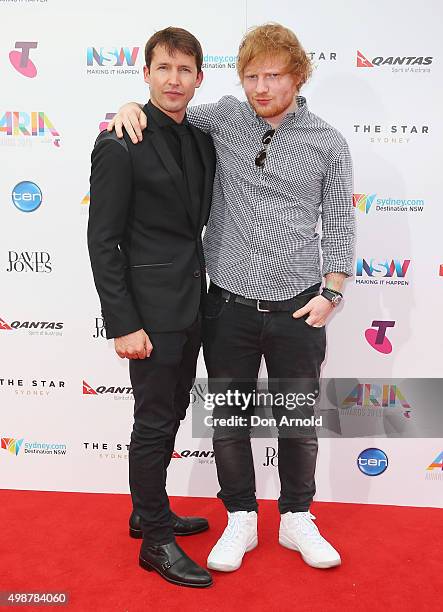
x,y
336,300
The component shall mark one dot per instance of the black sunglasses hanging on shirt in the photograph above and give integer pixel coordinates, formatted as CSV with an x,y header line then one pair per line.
x,y
261,155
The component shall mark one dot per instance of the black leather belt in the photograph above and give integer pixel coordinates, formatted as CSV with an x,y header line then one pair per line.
x,y
291,304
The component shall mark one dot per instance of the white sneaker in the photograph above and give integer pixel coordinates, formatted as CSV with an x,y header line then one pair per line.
x,y
239,537
298,532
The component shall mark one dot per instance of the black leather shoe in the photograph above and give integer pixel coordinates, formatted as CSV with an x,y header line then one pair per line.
x,y
182,525
174,565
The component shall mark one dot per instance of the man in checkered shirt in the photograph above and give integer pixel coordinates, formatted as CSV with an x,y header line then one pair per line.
x,y
279,169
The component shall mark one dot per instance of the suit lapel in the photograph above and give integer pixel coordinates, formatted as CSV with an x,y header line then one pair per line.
x,y
166,157
174,171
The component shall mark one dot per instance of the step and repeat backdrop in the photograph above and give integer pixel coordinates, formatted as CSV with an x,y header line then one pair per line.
x,y
65,398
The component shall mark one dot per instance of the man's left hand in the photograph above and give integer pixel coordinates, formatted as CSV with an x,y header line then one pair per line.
x,y
319,309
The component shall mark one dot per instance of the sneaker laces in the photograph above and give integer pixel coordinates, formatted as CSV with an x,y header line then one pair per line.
x,y
305,526
229,538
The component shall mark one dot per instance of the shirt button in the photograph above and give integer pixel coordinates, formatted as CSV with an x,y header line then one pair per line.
x,y
197,274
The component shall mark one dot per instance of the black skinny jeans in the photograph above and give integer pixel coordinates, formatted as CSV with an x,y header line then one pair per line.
x,y
235,337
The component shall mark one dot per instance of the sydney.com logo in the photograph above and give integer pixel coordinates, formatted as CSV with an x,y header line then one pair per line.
x,y
365,202
14,446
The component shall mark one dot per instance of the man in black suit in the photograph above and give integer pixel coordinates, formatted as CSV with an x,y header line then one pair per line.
x,y
148,207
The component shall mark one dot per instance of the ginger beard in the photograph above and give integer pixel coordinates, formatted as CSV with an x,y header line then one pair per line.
x,y
269,88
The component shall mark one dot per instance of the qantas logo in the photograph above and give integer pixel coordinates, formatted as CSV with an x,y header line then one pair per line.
x,y
362,61
87,389
392,60
196,454
103,390
30,325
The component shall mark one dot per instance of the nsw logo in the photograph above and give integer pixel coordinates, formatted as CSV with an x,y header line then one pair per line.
x,y
381,271
111,60
111,56
372,462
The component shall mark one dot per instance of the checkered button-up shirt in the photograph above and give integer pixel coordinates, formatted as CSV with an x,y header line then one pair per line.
x,y
261,240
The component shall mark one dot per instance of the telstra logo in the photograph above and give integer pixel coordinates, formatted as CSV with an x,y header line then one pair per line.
x,y
20,59
377,337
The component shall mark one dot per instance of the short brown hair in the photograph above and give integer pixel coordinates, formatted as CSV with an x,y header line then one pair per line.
x,y
175,39
273,39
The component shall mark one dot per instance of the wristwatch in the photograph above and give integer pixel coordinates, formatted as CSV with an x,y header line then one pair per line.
x,y
335,297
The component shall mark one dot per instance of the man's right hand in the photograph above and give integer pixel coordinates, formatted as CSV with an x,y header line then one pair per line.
x,y
132,118
133,346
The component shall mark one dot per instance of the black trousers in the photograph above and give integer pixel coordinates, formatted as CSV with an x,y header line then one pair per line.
x,y
235,337
161,385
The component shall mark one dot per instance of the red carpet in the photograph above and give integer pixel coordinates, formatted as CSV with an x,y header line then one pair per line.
x,y
391,558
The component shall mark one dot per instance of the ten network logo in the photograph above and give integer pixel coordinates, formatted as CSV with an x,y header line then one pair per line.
x,y
20,59
377,337
398,63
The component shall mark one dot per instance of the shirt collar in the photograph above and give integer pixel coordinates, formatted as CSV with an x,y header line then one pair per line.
x,y
161,118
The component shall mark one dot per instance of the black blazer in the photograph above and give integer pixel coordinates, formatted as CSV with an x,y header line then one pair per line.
x,y
144,236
